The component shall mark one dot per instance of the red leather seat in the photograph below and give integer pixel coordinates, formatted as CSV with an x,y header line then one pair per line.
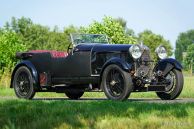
x,y
54,54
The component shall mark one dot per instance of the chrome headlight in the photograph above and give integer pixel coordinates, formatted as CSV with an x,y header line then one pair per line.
x,y
161,51
135,51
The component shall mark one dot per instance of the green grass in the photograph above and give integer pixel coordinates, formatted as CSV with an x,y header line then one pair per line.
x,y
97,114
101,114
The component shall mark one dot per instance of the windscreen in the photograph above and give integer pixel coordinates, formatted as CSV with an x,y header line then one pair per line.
x,y
89,38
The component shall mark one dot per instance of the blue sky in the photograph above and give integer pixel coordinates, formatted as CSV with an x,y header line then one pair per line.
x,y
165,17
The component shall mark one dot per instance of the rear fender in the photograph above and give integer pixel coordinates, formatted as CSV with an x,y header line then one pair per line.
x,y
166,65
33,70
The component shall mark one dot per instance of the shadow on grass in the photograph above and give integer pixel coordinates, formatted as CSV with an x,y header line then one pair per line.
x,y
77,114
146,100
102,99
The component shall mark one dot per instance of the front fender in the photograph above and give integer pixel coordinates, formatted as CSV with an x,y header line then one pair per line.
x,y
166,65
33,70
118,61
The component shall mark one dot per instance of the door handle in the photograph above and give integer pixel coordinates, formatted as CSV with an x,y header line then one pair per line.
x,y
76,49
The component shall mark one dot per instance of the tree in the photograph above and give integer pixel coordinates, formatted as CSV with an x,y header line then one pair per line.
x,y
111,28
10,43
36,36
184,40
189,59
130,32
60,40
121,21
153,41
19,26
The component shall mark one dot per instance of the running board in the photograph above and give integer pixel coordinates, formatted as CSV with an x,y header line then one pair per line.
x,y
158,88
62,89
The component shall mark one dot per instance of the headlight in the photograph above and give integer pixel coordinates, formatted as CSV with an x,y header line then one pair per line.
x,y
136,51
161,51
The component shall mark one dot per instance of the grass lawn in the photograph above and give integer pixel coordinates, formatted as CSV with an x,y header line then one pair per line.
x,y
97,114
103,114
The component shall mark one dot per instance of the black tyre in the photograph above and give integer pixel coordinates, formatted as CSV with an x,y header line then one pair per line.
x,y
23,83
116,83
74,94
175,87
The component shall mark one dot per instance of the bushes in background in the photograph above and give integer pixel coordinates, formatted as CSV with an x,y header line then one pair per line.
x,y
10,43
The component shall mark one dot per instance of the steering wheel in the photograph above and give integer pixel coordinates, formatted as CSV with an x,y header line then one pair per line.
x,y
69,49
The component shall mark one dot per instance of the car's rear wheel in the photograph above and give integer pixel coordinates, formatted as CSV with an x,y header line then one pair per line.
x,y
74,94
116,83
23,83
175,87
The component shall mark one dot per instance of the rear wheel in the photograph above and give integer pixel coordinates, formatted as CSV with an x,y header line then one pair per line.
x,y
116,83
175,87
23,83
74,94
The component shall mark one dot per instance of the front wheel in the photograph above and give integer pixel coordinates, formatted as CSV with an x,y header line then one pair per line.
x,y
116,83
23,83
175,87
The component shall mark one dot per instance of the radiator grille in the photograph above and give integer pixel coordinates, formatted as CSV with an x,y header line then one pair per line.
x,y
146,57
144,65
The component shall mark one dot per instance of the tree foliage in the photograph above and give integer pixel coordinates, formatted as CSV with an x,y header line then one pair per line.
x,y
123,23
10,43
153,41
189,58
112,28
184,40
36,36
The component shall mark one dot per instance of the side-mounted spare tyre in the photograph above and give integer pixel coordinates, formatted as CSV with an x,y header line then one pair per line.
x,y
116,83
23,83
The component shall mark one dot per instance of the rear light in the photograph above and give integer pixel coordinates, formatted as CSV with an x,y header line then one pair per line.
x,y
43,79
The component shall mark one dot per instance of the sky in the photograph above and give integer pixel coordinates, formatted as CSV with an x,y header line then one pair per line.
x,y
165,17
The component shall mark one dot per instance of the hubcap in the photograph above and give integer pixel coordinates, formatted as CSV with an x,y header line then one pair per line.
x,y
113,82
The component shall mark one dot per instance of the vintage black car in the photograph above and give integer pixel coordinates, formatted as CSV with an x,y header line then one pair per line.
x,y
91,63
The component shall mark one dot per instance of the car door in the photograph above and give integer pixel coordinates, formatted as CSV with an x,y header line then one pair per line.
x,y
76,64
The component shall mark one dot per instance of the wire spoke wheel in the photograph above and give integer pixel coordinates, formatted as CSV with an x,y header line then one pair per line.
x,y
23,83
116,83
175,87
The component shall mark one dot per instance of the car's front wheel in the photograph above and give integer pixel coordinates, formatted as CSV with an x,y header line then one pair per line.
x,y
23,83
74,94
116,83
175,87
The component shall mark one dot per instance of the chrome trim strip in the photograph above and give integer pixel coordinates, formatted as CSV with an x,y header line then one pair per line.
x,y
95,75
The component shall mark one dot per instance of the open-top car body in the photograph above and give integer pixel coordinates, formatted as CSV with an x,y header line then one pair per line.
x,y
91,63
